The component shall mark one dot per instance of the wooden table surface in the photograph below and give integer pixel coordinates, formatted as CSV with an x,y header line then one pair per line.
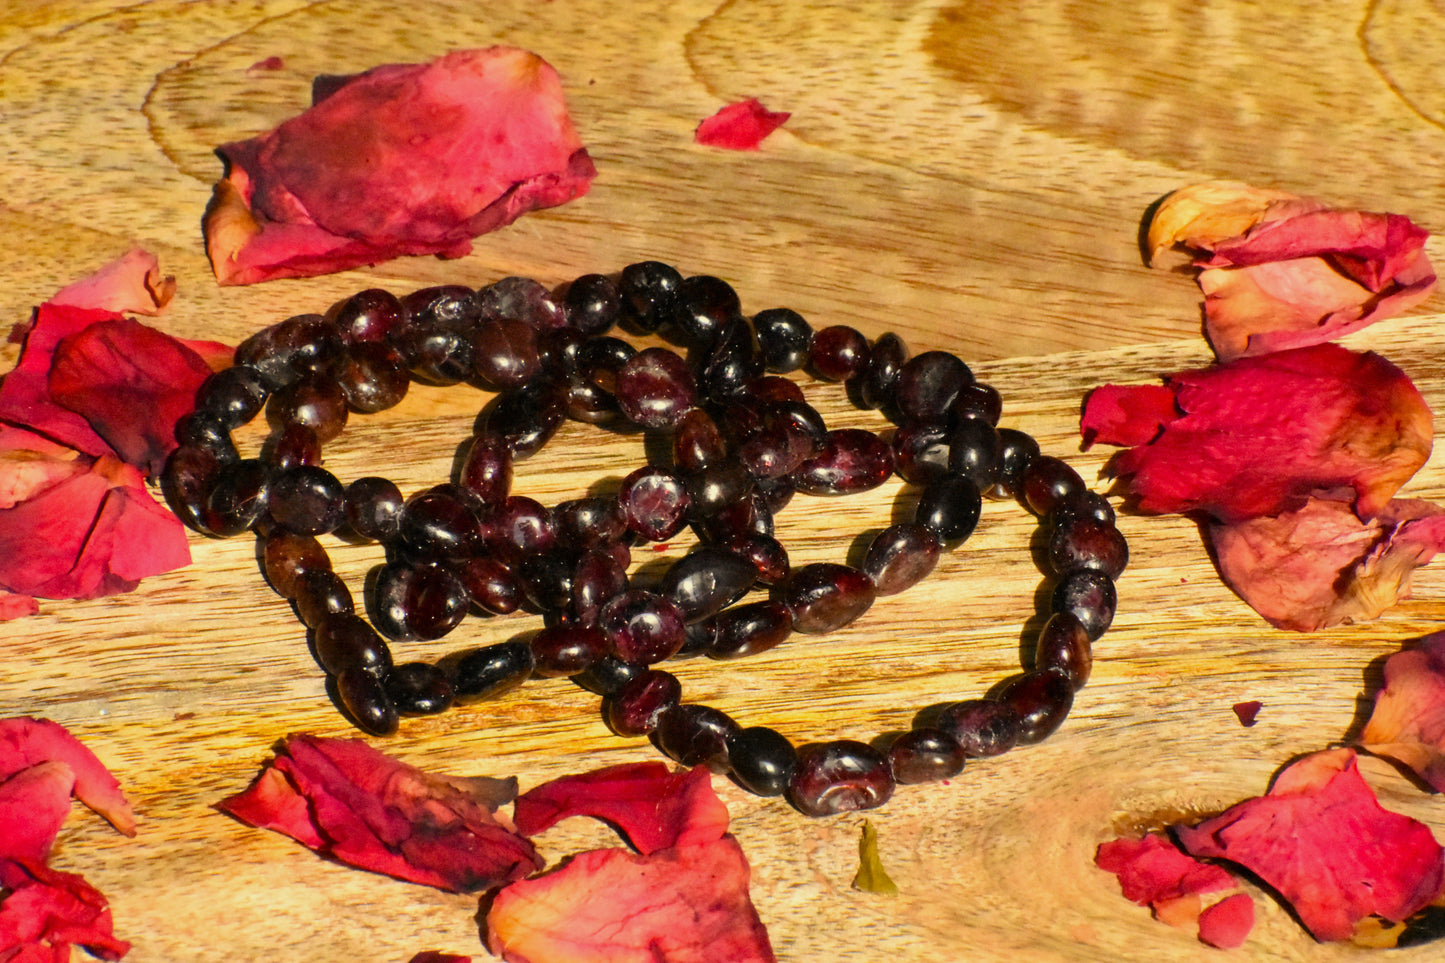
x,y
971,175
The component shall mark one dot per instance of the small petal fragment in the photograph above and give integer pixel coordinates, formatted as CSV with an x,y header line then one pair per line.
x,y
1279,271
1321,566
1407,723
686,904
1227,923
739,126
404,159
1260,436
349,801
650,805
1321,840
1248,712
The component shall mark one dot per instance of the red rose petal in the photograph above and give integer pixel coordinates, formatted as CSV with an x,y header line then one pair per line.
x,y
652,806
1321,566
739,126
1227,923
1152,870
1132,415
48,911
131,284
95,533
404,159
13,605
685,904
26,742
1259,436
375,812
131,383
1322,841
1407,723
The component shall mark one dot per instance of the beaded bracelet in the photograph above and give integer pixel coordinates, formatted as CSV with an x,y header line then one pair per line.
x,y
549,357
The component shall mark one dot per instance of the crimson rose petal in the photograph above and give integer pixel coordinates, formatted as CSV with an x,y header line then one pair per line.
x,y
652,806
1153,871
375,812
47,911
131,384
1321,840
404,159
25,392
33,805
685,904
739,126
1227,923
1407,723
1259,436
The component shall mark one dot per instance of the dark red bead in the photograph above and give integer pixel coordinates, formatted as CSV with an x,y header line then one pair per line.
x,y
852,460
1064,646
840,776
900,556
1042,698
634,708
825,596
562,650
982,727
925,755
695,735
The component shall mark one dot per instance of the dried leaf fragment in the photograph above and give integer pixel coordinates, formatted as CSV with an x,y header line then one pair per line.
x,y
871,876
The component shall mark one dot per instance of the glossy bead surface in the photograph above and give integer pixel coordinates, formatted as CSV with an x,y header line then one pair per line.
x,y
975,451
364,698
1087,544
654,503
927,385
982,727
284,556
839,776
307,500
838,352
1064,646
642,626
1042,699
925,755
707,580
852,460
655,388
633,709
879,377
1046,481
490,671
314,401
563,650
901,556
649,292
320,594
695,735
372,378
373,507
346,641
950,506
825,596
784,337
1088,596
368,316
419,689
704,305
592,303
748,629
233,396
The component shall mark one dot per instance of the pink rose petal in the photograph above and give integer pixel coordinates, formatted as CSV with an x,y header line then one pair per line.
x,y
1407,723
131,284
1227,923
26,742
404,159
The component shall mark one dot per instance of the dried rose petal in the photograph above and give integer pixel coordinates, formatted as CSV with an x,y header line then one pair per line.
x,y
1259,436
1247,712
404,159
1227,923
1407,723
33,805
26,742
131,384
1322,841
1279,271
351,802
131,284
739,126
1153,871
650,805
685,904
14,605
1321,566
47,911
25,392
95,533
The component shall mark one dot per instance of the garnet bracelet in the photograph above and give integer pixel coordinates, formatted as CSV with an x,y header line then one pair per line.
x,y
742,441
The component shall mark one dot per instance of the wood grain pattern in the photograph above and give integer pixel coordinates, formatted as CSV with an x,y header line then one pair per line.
x,y
970,175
